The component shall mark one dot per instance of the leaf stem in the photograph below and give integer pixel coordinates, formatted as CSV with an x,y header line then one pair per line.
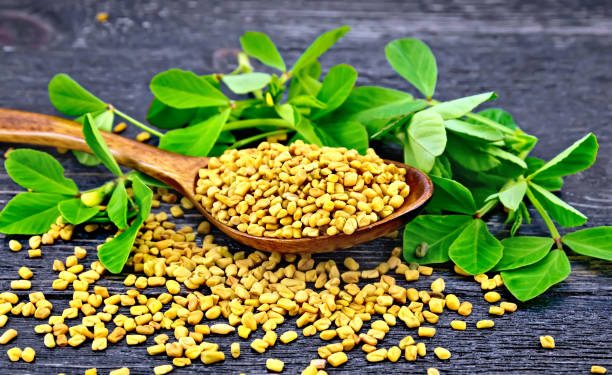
x,y
254,138
486,208
251,123
554,233
137,123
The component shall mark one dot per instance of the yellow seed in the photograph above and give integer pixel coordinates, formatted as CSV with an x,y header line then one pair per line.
x,y
8,335
120,127
486,323
598,369
120,371
235,349
21,284
337,359
465,308
328,334
421,349
259,345
425,270
394,353
508,306
3,320
34,253
275,365
410,353
496,310
28,354
438,285
49,340
212,356
162,369
408,340
427,331
14,354
143,136
378,355
433,371
310,370
442,353
547,342
458,325
15,245
351,264
411,275
492,297
288,336
452,302
91,371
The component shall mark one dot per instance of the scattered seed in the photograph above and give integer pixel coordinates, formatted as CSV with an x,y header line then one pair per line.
x,y
547,342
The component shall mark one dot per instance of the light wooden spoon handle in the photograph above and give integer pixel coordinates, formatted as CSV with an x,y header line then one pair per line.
x,y
176,170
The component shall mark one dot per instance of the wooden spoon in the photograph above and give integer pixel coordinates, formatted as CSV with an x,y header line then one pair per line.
x,y
181,173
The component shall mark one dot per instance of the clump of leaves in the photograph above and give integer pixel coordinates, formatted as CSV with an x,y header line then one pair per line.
x,y
51,195
478,160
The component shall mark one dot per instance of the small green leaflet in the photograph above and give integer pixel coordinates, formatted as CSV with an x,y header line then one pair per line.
x,y
285,111
529,282
450,195
437,231
499,116
324,42
476,250
197,139
70,98
578,157
563,213
426,140
184,89
148,180
523,251
166,117
460,107
349,134
505,155
246,82
413,60
117,207
336,87
30,213
307,101
75,212
307,131
39,172
476,130
261,47
114,254
469,154
98,146
104,121
551,183
592,242
512,194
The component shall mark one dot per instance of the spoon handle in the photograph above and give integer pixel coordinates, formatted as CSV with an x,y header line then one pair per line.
x,y
176,170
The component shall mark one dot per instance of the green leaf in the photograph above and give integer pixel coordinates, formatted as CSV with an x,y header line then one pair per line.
x,y
75,212
98,146
426,140
183,89
166,117
593,242
39,172
324,42
307,132
413,60
505,155
307,101
437,231
247,82
450,195
336,87
512,194
475,130
529,282
195,140
104,121
261,47
500,116
118,206
476,250
146,179
285,111
143,196
469,154
578,157
551,183
563,213
522,251
30,213
70,98
460,107
350,134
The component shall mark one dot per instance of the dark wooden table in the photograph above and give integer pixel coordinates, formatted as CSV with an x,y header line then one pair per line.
x,y
549,61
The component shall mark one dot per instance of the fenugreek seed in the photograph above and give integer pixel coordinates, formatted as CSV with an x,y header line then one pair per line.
x,y
496,310
411,275
120,371
486,323
14,354
508,306
212,356
433,371
143,136
598,370
7,336
378,355
235,349
222,329
442,353
34,242
337,359
15,245
421,349
438,285
427,331
91,371
394,353
351,264
458,325
120,127
163,369
21,284
49,340
465,308
492,297
28,354
34,253
275,365
547,342
410,353
259,345
288,336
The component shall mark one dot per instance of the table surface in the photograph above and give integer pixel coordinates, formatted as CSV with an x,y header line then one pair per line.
x,y
549,62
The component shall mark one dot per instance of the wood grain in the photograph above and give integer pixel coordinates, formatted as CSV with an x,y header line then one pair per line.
x,y
548,60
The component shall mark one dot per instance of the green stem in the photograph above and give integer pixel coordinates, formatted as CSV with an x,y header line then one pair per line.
x,y
554,233
137,123
251,123
257,137
486,208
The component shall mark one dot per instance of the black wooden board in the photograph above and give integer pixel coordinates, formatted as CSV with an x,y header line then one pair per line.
x,y
549,61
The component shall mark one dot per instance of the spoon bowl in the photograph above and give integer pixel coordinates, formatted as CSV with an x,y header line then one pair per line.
x,y
181,173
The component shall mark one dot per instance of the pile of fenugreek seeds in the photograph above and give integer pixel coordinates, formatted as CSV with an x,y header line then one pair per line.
x,y
300,190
